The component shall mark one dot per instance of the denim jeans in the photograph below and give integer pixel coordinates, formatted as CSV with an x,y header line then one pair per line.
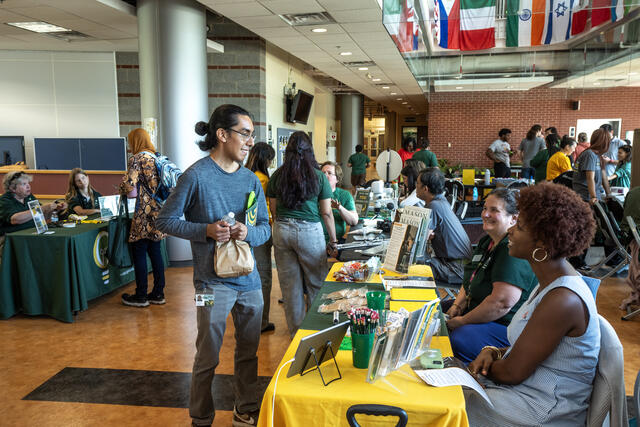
x,y
246,312
139,250
528,173
262,255
301,259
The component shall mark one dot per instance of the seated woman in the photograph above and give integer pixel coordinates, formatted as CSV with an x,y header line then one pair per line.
x,y
14,203
540,160
81,196
544,375
342,204
560,162
494,286
622,176
410,177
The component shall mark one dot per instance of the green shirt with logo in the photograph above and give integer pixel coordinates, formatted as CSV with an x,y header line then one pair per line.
x,y
9,206
427,157
308,210
346,200
359,163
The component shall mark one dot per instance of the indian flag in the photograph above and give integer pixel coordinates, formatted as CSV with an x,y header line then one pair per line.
x,y
477,24
526,22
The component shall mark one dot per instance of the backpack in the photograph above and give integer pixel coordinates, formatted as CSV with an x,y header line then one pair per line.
x,y
168,174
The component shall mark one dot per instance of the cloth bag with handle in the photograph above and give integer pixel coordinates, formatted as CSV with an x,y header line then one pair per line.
x,y
119,251
233,259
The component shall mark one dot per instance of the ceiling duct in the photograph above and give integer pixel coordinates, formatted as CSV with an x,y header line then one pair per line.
x,y
359,64
69,36
305,19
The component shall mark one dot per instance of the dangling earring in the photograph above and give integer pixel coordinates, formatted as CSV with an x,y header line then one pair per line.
x,y
533,255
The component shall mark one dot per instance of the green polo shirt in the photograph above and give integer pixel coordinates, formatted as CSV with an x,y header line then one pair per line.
x,y
359,163
427,157
345,199
308,210
496,266
9,206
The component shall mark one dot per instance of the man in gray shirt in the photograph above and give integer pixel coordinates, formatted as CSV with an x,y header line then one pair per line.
x,y
449,241
207,191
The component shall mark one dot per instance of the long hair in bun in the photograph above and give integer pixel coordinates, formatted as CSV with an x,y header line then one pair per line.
x,y
223,117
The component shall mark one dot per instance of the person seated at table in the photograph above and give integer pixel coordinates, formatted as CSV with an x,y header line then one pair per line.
x,y
450,243
409,177
560,162
14,203
495,284
81,197
545,373
342,204
622,176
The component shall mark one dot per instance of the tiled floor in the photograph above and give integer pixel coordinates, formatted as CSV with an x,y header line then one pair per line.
x,y
110,336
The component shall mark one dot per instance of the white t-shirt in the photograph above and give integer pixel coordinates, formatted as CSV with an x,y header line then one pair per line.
x,y
501,149
412,200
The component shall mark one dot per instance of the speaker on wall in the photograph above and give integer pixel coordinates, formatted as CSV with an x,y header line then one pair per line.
x,y
575,105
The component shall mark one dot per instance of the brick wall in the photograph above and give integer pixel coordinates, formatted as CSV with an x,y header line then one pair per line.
x,y
236,76
471,121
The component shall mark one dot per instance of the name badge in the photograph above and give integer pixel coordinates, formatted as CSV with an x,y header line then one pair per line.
x,y
476,258
205,299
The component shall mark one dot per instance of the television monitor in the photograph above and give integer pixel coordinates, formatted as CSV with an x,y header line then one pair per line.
x,y
11,150
300,107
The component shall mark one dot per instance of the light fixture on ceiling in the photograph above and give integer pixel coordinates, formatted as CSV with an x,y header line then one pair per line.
x,y
507,75
596,83
510,87
385,87
319,30
398,99
633,73
405,103
459,87
393,93
363,68
375,80
345,53
39,27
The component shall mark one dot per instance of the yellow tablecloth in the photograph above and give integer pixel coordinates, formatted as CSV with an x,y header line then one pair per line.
x,y
305,402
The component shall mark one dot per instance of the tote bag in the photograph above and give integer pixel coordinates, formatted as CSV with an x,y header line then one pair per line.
x,y
119,251
233,259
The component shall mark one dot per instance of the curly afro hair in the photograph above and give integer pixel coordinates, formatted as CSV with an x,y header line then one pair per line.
x,y
558,217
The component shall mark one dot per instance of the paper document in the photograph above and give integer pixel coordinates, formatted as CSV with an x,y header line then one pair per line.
x,y
390,283
452,376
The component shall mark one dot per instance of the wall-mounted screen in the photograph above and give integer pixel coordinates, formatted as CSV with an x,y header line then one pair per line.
x,y
85,153
11,150
300,108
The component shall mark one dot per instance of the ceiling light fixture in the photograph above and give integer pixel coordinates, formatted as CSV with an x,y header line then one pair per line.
x,y
596,83
39,27
363,68
507,75
404,103
345,53
398,99
393,93
633,73
385,87
375,80
319,30
459,87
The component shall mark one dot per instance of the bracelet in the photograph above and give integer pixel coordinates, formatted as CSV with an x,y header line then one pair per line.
x,y
494,348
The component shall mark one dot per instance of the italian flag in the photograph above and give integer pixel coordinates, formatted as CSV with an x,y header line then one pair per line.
x,y
526,22
477,24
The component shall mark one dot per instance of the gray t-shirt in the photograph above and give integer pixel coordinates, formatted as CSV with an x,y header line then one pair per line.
x,y
450,241
501,149
204,194
529,150
587,161
612,153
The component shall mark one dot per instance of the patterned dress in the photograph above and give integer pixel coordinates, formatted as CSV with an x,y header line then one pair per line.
x,y
142,174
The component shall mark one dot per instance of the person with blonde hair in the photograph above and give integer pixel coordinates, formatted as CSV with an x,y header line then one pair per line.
x,y
81,196
141,181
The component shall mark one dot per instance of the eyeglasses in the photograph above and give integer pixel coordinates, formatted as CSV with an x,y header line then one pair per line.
x,y
246,137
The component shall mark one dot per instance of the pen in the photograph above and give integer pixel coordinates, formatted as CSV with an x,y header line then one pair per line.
x,y
336,317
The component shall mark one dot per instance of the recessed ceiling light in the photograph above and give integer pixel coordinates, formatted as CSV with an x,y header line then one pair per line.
x,y
375,80
633,73
572,87
507,75
459,87
393,93
363,68
398,99
458,77
509,87
39,27
319,30
405,102
596,83
345,53
385,87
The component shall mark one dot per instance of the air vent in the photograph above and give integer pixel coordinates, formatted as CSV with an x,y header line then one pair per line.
x,y
69,36
359,64
305,19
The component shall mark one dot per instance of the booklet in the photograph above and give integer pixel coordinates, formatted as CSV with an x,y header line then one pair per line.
x,y
420,218
402,249
452,376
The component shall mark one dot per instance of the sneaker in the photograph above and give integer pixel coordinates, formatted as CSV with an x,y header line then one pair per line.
x,y
134,300
243,420
158,300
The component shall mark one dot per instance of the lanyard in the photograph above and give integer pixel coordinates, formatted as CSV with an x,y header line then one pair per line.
x,y
484,261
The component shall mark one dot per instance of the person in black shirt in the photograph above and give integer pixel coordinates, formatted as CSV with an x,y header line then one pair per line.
x,y
81,196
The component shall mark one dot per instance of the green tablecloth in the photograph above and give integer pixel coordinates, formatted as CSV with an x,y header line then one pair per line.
x,y
57,274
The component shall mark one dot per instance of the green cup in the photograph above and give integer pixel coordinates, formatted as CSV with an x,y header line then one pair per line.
x,y
375,301
361,349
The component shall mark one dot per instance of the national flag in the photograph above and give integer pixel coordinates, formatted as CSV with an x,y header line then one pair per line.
x,y
559,21
600,12
477,24
579,18
447,13
391,17
526,22
406,29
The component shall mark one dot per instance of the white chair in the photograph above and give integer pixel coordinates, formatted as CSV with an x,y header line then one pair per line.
x,y
608,403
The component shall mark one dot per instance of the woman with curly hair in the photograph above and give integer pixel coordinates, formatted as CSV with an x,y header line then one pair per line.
x,y
548,370
299,199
